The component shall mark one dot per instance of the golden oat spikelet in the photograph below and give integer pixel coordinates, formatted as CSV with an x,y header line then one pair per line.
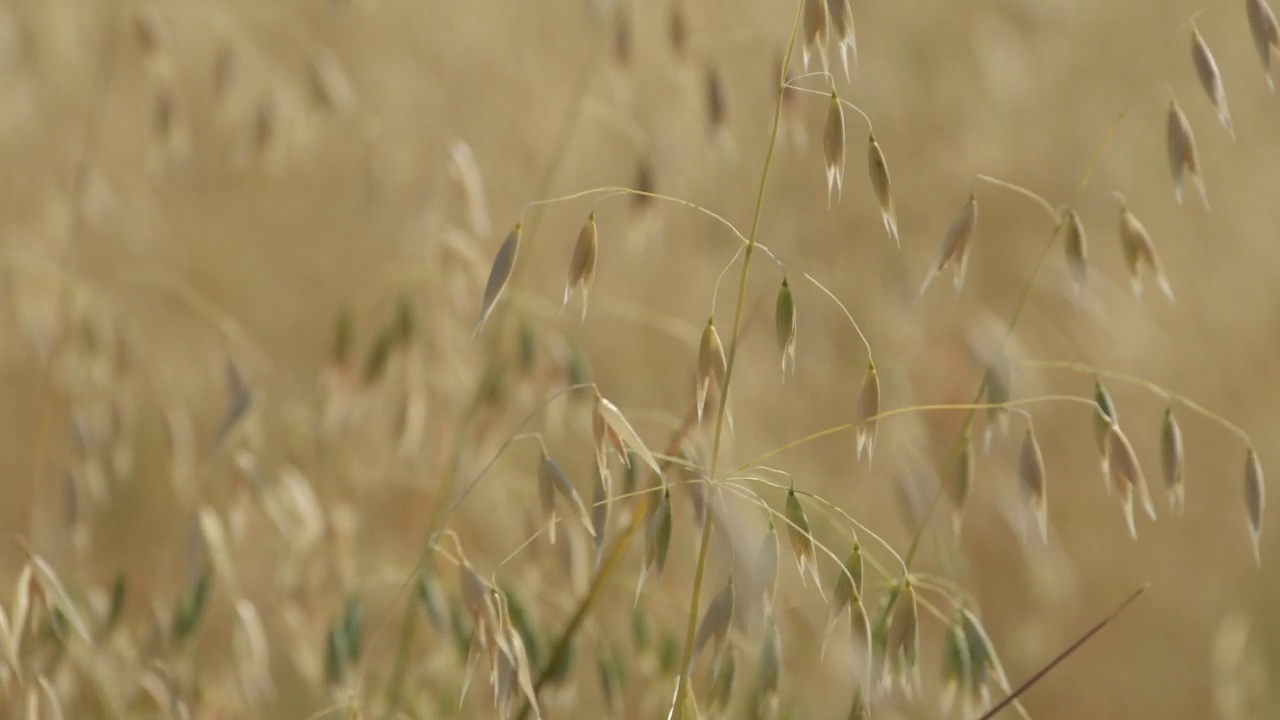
x,y
1184,157
1211,79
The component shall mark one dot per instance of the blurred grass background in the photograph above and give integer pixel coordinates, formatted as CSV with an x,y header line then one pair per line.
x,y
283,197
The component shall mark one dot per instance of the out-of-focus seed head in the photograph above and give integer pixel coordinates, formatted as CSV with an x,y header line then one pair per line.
x,y
867,410
499,275
1184,157
955,246
582,267
784,320
1210,79
883,188
1173,461
833,145
1077,250
1031,476
1255,499
1266,34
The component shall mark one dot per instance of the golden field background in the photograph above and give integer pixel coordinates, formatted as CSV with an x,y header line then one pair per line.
x,y
313,172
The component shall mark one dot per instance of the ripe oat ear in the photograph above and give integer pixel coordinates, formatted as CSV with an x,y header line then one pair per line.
x,y
1173,461
840,15
499,275
1266,34
711,365
816,28
582,267
1211,79
865,415
883,188
955,246
1126,476
1255,500
1077,250
1184,157
833,146
1139,250
785,327
1031,477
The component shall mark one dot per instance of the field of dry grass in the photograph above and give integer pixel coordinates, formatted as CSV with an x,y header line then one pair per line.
x,y
245,246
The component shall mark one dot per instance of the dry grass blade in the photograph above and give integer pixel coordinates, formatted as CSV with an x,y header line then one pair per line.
x,y
582,267
499,275
883,188
1211,79
1077,250
715,624
1139,250
801,540
955,245
785,327
833,146
840,15
1255,499
711,364
816,28
1184,157
1126,477
1266,34
867,410
1031,476
1173,461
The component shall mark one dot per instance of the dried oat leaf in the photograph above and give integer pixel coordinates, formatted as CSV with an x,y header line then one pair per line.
x,y
504,263
1173,461
955,246
883,188
1210,79
1255,499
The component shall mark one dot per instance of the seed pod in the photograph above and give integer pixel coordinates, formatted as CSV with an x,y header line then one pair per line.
x,y
1173,461
961,481
840,15
815,31
1031,477
715,623
711,364
1255,500
1266,34
883,188
582,268
833,145
1210,79
1126,476
1104,417
784,321
499,275
1139,249
1077,251
1184,158
957,670
801,539
955,245
868,409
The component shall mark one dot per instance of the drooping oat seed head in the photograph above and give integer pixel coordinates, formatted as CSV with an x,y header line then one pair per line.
x,y
1211,79
1139,250
902,641
1126,477
816,29
961,481
1255,500
1173,461
722,682
1031,477
985,664
1104,417
766,565
833,145
998,392
1184,158
770,667
801,540
848,591
1266,34
711,364
883,188
467,171
623,435
957,671
714,627
657,540
1077,249
550,475
784,321
840,15
499,275
955,245
582,267
868,409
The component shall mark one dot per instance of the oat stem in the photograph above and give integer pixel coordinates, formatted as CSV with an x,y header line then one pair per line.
x,y
1030,194
677,707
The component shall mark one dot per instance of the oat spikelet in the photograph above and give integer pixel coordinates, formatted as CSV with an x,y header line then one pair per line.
x,y
801,540
711,364
1211,79
1104,417
715,623
961,482
833,146
1031,477
868,409
848,591
816,27
766,567
1255,500
551,476
582,267
902,644
1266,34
1173,461
1139,250
623,434
998,393
883,188
657,540
499,275
840,14
985,663
1184,158
957,671
955,245
1077,250
785,325
1126,477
